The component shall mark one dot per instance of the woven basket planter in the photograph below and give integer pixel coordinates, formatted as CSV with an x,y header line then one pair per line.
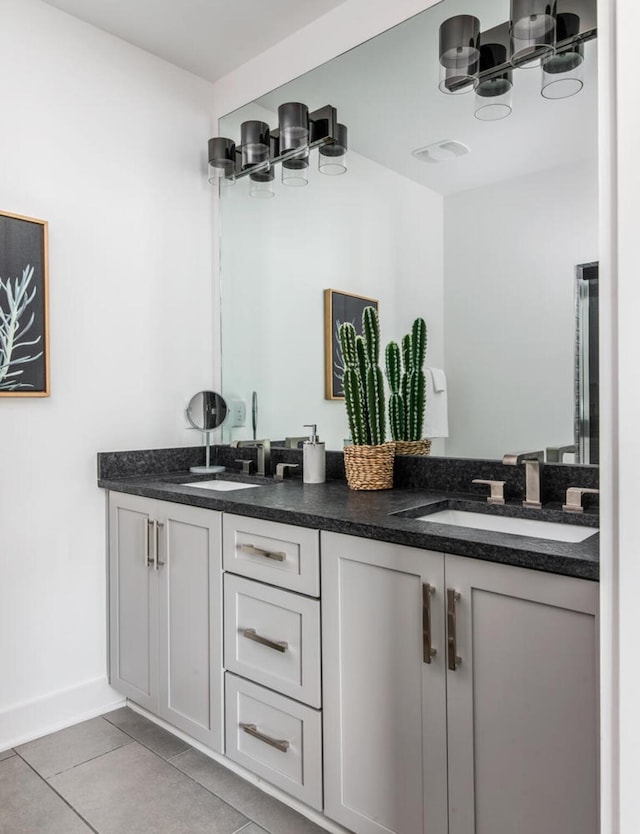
x,y
413,447
369,467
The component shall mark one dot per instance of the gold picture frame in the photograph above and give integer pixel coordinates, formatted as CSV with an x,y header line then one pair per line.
x,y
24,306
339,306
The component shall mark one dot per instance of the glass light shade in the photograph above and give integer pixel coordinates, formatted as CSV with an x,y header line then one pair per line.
x,y
491,108
254,143
293,126
261,184
493,93
533,31
332,158
295,171
459,54
562,73
222,159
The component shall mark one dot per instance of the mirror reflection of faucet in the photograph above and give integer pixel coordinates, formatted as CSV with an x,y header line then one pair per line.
x,y
264,453
532,461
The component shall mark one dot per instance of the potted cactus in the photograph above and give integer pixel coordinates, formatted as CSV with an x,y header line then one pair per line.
x,y
369,461
407,402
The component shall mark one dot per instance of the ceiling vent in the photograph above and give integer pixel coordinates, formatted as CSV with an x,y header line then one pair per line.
x,y
441,151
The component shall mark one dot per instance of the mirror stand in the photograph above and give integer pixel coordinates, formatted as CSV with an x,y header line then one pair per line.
x,y
207,411
207,469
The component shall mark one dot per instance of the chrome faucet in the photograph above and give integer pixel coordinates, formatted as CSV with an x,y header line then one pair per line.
x,y
264,453
532,461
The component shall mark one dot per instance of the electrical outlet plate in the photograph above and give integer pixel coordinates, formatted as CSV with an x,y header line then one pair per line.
x,y
238,413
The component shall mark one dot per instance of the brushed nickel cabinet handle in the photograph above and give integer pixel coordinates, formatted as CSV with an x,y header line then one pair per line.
x,y
253,550
157,563
427,651
278,645
147,543
452,638
279,744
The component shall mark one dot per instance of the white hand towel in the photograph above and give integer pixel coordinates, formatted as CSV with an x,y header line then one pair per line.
x,y
439,379
436,421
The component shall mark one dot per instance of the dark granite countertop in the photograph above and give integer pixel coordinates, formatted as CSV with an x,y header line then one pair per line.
x,y
334,507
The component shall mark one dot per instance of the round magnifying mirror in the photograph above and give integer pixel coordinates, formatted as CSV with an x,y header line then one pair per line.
x,y
207,411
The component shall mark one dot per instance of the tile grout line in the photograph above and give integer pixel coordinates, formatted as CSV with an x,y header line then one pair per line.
x,y
57,793
86,761
249,819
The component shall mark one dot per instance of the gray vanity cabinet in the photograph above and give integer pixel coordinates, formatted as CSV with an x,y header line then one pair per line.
x,y
385,747
522,703
165,611
497,734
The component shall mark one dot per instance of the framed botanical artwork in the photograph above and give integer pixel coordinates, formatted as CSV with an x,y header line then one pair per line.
x,y
24,307
340,307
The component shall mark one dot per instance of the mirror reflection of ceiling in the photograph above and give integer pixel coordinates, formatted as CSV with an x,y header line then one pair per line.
x,y
484,247
378,86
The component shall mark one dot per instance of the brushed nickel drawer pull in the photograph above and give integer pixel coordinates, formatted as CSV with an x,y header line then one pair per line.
x,y
157,563
147,543
252,550
427,651
279,744
452,638
278,645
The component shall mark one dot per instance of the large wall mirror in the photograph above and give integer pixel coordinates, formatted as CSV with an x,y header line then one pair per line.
x,y
484,246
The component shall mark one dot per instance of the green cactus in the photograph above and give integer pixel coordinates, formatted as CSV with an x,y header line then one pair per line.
x,y
396,402
355,403
416,399
363,380
375,404
407,400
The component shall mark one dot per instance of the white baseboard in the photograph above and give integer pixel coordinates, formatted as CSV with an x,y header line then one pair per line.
x,y
55,711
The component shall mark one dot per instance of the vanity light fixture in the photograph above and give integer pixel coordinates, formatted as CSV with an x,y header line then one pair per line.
x,y
291,143
533,30
459,54
562,71
493,93
548,34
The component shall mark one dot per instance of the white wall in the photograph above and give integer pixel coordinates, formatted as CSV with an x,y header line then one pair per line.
x,y
369,232
510,308
108,144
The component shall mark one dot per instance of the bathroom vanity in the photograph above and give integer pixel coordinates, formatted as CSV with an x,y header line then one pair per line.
x,y
391,674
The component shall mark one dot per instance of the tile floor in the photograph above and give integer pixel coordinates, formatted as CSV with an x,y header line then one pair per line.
x,y
122,774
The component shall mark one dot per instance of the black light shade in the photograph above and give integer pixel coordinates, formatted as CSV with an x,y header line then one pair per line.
x,y
493,94
562,71
459,53
533,31
293,124
332,157
254,141
222,158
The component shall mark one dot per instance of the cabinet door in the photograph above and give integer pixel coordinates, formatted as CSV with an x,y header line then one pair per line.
x,y
190,621
385,754
522,703
132,600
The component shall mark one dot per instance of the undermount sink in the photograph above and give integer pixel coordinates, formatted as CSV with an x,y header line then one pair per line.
x,y
537,529
220,486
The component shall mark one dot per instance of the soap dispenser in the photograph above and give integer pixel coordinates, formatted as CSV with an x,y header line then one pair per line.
x,y
313,458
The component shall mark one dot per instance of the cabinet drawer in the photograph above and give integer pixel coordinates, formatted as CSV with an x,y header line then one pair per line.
x,y
275,738
280,554
273,637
